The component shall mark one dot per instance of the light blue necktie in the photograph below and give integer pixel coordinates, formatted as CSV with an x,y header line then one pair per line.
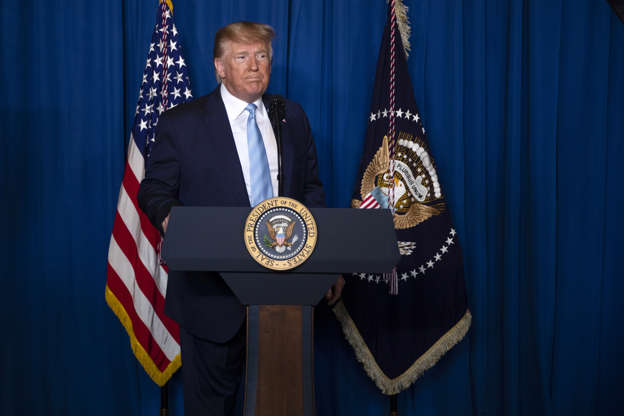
x,y
259,173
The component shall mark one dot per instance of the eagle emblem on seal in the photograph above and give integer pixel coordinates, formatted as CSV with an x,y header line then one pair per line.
x,y
280,233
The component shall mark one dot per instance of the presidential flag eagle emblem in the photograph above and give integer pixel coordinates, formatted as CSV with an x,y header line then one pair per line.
x,y
413,191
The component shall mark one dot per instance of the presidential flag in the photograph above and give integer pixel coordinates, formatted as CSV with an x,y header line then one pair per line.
x,y
136,281
402,322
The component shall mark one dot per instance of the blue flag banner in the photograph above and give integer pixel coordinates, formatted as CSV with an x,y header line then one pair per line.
x,y
402,322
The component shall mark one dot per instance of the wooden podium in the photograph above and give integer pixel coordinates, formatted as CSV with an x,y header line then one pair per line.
x,y
279,379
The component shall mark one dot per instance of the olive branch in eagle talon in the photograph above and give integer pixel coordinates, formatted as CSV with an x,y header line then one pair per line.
x,y
280,237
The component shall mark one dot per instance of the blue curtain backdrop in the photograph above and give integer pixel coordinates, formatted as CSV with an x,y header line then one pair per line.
x,y
523,102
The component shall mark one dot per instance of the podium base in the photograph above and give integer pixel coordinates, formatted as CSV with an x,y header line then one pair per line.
x,y
279,377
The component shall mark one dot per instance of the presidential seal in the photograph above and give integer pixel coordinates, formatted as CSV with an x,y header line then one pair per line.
x,y
280,233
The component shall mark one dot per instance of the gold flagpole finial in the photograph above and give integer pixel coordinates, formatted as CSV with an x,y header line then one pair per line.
x,y
169,4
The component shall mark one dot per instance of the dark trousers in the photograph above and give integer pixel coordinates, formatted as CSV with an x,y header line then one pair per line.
x,y
211,373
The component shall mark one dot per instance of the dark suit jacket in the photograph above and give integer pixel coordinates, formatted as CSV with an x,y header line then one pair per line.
x,y
194,162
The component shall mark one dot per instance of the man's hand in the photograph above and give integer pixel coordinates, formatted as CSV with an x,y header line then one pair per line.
x,y
334,293
165,223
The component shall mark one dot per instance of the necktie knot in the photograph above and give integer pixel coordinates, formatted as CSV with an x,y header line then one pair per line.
x,y
252,110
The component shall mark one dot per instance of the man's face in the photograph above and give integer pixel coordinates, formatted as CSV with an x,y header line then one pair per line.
x,y
245,69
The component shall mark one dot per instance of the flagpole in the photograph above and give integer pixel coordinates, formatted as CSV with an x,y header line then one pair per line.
x,y
393,405
164,400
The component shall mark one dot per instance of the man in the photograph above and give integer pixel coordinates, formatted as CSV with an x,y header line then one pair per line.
x,y
220,150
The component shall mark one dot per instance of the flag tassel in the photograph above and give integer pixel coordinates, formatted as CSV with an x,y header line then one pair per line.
x,y
405,29
392,279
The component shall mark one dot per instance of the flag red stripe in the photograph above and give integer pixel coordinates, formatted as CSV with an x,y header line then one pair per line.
x,y
127,209
131,184
141,332
369,202
142,275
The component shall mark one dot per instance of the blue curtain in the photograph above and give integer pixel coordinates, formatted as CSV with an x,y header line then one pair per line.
x,y
523,102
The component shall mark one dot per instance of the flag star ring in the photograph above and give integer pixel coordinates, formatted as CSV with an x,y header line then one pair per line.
x,y
280,233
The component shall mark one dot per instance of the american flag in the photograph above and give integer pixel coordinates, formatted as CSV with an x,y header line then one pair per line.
x,y
136,280
369,202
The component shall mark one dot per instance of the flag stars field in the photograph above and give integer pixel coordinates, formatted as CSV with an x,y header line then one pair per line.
x,y
420,271
400,113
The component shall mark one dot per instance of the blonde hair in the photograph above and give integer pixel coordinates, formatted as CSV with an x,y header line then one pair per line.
x,y
245,32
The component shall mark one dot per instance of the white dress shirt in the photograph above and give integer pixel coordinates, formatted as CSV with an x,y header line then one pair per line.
x,y
237,116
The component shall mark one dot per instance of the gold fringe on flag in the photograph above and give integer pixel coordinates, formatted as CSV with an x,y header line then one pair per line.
x,y
392,386
159,377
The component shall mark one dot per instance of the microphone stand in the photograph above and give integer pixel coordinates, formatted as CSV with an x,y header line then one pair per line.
x,y
277,111
393,405
164,400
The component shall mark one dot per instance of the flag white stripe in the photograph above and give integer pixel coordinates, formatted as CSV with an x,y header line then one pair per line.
x,y
369,201
142,305
135,160
129,215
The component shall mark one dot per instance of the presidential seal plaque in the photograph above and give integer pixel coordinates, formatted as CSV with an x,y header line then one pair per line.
x,y
280,233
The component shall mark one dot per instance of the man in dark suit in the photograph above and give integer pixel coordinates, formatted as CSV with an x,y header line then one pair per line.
x,y
221,150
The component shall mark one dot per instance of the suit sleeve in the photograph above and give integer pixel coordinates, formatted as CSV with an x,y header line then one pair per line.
x,y
158,192
313,188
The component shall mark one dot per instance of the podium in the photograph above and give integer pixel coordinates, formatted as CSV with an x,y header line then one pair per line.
x,y
279,379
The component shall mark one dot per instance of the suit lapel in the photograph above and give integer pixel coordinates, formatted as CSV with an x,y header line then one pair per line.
x,y
288,157
227,161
